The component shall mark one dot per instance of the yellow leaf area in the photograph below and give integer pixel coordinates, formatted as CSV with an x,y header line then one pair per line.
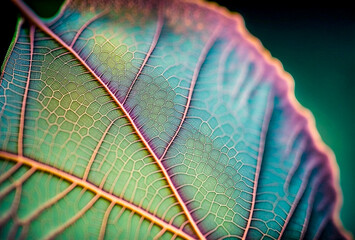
x,y
131,121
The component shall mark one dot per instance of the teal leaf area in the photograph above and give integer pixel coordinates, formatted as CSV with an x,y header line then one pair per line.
x,y
156,120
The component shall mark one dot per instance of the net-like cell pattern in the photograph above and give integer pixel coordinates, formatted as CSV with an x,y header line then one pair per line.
x,y
82,134
155,119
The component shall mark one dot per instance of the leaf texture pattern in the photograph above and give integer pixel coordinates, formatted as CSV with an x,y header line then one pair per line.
x,y
156,119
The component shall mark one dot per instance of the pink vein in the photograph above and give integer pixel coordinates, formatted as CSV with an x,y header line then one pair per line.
x,y
310,206
299,195
201,60
264,129
151,49
28,13
86,185
86,25
23,108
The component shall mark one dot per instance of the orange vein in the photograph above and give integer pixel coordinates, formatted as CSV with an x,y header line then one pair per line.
x,y
8,173
93,188
264,130
28,13
201,60
86,25
47,204
17,182
14,208
96,150
104,221
152,47
73,219
23,107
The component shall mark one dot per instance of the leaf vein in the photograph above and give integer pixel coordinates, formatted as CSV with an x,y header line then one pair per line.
x,y
263,134
150,51
28,13
24,100
80,31
87,185
73,219
199,64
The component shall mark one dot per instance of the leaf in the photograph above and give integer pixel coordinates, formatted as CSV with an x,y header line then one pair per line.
x,y
137,120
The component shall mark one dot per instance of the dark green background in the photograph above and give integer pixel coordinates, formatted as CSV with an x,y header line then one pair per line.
x,y
317,47
315,44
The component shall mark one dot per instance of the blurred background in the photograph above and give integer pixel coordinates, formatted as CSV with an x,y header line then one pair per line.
x,y
316,45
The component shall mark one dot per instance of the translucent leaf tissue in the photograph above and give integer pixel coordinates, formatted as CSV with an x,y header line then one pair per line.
x,y
156,120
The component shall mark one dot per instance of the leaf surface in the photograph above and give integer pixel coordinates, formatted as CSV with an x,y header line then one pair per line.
x,y
155,120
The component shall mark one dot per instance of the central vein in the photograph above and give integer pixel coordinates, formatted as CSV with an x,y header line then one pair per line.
x,y
33,18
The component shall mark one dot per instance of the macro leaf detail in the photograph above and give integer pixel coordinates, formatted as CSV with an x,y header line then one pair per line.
x,y
155,119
